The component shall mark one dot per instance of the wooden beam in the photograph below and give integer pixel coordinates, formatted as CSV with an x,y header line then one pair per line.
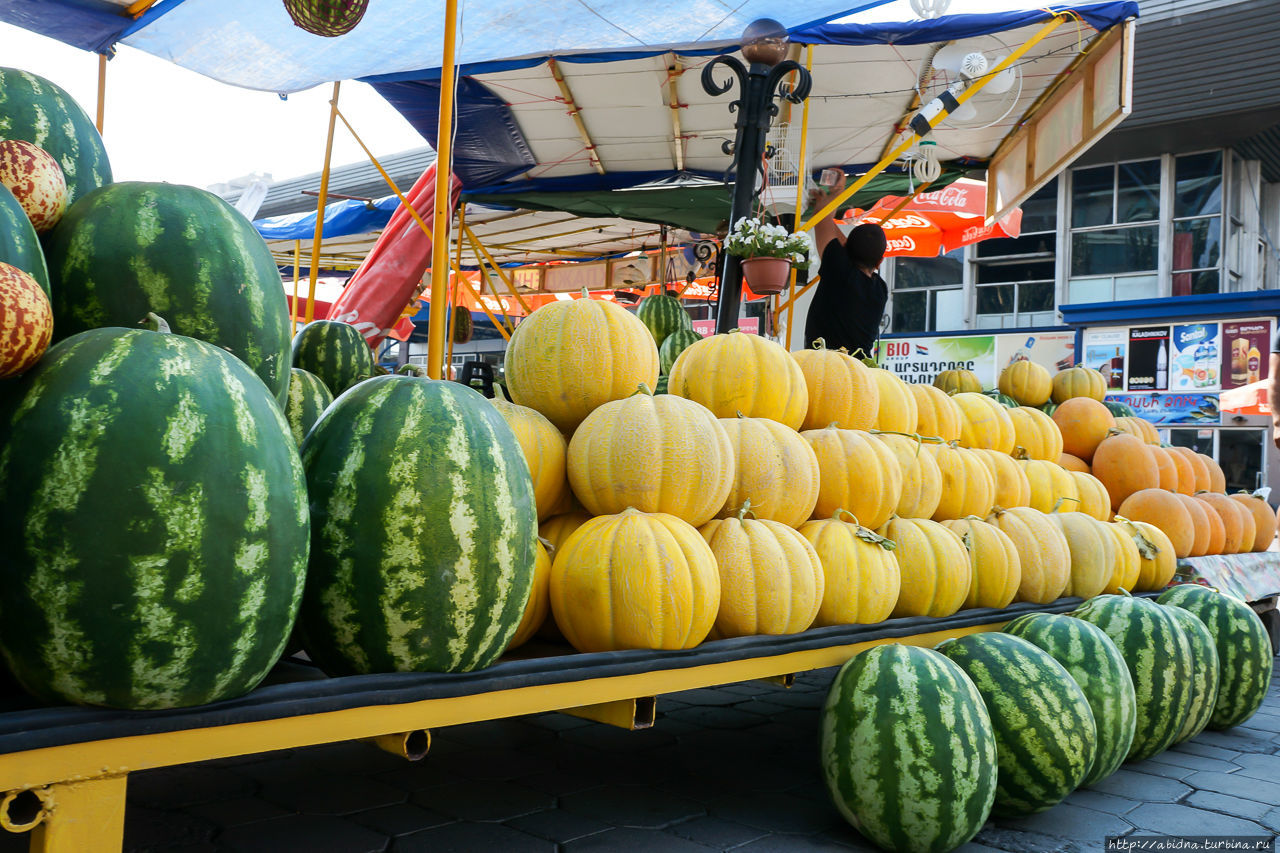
x,y
575,112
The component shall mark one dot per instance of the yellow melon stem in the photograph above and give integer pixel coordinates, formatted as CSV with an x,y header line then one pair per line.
x,y
1020,452
819,343
745,510
1146,547
155,323
549,545
1058,502
642,388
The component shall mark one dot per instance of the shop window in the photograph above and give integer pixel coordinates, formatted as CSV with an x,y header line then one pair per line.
x,y
1240,454
1197,225
1014,277
927,294
1115,236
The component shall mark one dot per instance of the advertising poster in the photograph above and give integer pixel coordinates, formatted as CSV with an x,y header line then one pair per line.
x,y
1105,351
920,360
1149,358
1162,410
1193,358
750,325
1054,351
1246,353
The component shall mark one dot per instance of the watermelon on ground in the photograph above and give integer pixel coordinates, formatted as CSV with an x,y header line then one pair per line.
x,y
129,249
1046,739
1244,650
1204,684
1095,663
663,315
308,398
335,352
155,523
907,749
423,530
38,111
1156,650
19,245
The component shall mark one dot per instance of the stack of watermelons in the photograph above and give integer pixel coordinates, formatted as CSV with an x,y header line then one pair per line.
x,y
672,330
920,746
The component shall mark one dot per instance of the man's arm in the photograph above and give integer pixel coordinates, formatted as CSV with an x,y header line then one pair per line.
x,y
1273,398
825,230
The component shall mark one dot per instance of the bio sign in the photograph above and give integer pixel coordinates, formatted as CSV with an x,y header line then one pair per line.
x,y
920,360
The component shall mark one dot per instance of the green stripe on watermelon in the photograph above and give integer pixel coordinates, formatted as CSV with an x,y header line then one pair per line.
x,y
41,112
1204,684
308,398
335,352
19,245
907,749
1046,739
1003,399
663,315
155,523
1118,409
676,343
1095,664
131,248
423,530
1158,655
1244,650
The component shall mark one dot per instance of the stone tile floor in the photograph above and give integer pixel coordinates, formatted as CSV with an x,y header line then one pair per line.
x,y
731,768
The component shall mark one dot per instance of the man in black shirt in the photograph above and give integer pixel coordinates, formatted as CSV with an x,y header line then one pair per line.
x,y
849,301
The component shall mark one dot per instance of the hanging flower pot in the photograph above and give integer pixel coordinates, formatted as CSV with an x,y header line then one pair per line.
x,y
326,17
766,275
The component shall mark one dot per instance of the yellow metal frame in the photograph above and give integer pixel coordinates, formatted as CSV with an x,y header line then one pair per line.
x,y
441,213
314,273
789,306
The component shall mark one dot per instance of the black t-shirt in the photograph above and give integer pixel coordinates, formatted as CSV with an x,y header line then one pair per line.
x,y
847,306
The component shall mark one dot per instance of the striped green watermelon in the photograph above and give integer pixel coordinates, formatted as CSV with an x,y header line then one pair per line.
x,y
1095,663
19,245
335,352
1244,650
1204,683
1118,409
308,397
38,111
1046,739
423,530
1158,655
1003,399
1049,408
155,523
660,387
663,315
676,343
907,749
131,248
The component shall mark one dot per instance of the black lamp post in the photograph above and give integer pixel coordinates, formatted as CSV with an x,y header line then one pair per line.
x,y
764,45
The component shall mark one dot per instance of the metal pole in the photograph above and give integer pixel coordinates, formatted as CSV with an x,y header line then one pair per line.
x,y
297,265
440,222
102,90
314,272
800,199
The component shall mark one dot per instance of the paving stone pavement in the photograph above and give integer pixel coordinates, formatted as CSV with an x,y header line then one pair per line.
x,y
731,768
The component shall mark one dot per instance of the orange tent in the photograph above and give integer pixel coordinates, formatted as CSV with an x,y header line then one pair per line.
x,y
937,222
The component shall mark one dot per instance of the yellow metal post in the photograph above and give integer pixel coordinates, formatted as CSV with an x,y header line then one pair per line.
x,y
440,223
482,256
85,815
314,272
800,199
102,91
297,267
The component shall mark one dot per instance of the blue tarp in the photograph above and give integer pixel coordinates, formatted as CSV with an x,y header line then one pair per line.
x,y
341,218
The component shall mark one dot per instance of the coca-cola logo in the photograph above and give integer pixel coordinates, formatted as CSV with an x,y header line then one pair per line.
x,y
948,197
905,221
901,244
975,232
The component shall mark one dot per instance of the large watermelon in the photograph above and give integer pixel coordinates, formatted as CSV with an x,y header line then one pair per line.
x,y
19,245
907,749
423,530
154,520
663,315
676,343
1158,655
335,352
1244,650
1095,663
131,248
38,111
1204,684
308,398
1118,409
1046,739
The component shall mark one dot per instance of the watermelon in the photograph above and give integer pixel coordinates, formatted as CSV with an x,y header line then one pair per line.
x,y
1204,684
19,245
423,530
131,248
676,343
308,397
1158,655
907,750
155,523
1046,739
662,315
660,387
1094,662
1003,399
40,112
1049,408
1244,650
1120,410
335,352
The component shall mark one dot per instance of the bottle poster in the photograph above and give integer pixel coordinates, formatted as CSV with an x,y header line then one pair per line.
x,y
1149,358
1054,351
1106,350
1194,360
1246,353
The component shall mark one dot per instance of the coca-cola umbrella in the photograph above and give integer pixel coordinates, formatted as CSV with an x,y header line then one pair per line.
x,y
934,223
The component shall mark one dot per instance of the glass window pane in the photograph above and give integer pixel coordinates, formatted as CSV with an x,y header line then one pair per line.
x,y
1089,290
1137,287
909,311
1197,243
1028,245
1091,196
1017,271
1198,184
996,299
948,309
1204,282
1191,438
1040,212
1138,191
929,272
1035,296
1240,453
1116,250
